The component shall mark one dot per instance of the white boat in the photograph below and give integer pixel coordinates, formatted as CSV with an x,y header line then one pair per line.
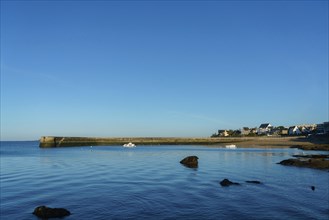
x,y
129,145
231,146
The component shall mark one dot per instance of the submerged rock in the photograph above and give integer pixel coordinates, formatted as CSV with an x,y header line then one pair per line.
x,y
253,181
46,212
316,163
226,182
190,161
314,156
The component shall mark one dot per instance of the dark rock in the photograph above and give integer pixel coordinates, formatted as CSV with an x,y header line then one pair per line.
x,y
226,182
314,156
253,181
190,161
318,163
46,212
288,162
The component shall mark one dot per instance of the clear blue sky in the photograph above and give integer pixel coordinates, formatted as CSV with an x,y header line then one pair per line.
x,y
160,68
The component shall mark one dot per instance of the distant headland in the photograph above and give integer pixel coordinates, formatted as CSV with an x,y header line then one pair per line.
x,y
321,143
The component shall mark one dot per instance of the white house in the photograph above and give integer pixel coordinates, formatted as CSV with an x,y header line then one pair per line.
x,y
265,128
305,130
294,130
223,133
245,131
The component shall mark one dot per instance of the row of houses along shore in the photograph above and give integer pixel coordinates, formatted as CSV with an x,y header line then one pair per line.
x,y
269,130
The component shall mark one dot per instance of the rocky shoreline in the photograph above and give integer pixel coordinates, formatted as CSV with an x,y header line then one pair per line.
x,y
315,161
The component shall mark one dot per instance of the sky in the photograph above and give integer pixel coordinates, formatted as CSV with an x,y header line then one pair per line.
x,y
160,68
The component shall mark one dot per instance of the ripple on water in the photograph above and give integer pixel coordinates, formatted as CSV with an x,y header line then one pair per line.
x,y
149,182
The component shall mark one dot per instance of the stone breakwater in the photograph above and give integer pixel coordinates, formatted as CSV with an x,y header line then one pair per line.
x,y
50,141
271,142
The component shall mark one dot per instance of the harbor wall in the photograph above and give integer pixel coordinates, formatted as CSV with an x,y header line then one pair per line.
x,y
316,143
50,141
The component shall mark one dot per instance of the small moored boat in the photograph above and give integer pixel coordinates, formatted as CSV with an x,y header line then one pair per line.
x,y
129,145
231,146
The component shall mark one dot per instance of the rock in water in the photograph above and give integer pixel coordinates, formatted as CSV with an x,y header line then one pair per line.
x,y
190,161
226,182
253,181
317,163
46,212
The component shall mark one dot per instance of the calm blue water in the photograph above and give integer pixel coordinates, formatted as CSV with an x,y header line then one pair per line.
x,y
150,183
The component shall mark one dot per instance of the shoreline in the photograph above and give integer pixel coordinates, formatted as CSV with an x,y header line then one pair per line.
x,y
243,142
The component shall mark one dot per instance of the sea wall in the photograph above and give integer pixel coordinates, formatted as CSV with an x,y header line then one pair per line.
x,y
47,141
271,142
50,141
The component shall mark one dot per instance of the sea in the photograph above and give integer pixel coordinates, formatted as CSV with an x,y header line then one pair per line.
x,y
148,182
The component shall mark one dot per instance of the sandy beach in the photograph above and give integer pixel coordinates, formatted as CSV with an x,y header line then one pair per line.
x,y
284,142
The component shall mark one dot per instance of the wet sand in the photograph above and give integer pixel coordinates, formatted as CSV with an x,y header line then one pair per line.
x,y
282,142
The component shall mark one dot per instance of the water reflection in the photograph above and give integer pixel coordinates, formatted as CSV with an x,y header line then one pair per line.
x,y
149,182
